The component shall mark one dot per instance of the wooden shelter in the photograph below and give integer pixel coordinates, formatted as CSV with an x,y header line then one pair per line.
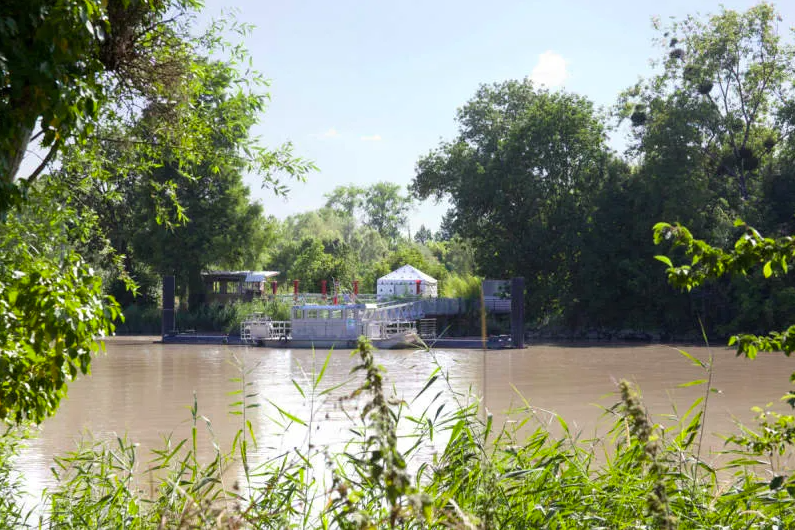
x,y
229,286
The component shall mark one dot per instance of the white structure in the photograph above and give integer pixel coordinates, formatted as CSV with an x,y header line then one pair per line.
x,y
406,281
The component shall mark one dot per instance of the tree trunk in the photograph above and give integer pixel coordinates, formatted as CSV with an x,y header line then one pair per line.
x,y
195,289
14,151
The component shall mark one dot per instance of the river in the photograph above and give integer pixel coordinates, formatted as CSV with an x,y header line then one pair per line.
x,y
144,390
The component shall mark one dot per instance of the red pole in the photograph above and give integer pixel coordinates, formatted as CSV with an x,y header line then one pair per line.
x,y
274,285
295,289
355,286
418,287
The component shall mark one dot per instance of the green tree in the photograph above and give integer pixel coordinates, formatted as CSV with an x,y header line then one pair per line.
x,y
521,176
176,131
345,199
386,209
423,235
224,227
709,132
720,105
61,59
311,265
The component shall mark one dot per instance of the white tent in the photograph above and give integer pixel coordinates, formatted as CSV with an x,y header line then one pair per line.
x,y
406,281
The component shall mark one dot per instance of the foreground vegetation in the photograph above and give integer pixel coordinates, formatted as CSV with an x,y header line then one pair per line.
x,y
535,473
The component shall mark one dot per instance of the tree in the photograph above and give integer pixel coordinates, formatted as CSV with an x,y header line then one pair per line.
x,y
710,133
345,199
724,96
61,59
423,235
521,176
130,101
316,260
386,209
224,228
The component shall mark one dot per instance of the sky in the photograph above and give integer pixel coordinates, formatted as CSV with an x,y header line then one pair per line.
x,y
365,88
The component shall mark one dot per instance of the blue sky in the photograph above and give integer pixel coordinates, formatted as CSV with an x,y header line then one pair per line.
x,y
365,88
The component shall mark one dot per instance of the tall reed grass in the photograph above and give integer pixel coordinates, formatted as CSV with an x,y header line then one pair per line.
x,y
641,474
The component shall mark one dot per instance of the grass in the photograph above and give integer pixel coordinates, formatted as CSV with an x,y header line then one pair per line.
x,y
640,474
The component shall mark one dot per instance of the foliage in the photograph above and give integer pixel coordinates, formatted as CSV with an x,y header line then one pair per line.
x,y
521,176
227,318
206,188
62,60
52,308
457,286
751,251
423,235
380,206
12,514
346,199
141,320
727,82
386,210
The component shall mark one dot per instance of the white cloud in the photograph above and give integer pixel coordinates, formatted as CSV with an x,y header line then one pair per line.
x,y
550,70
331,133
373,138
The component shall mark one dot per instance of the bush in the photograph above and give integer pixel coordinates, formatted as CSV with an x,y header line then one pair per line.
x,y
140,320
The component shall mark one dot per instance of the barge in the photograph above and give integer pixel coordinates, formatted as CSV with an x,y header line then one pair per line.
x,y
387,326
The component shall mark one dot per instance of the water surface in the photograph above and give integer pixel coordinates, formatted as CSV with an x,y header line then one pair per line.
x,y
144,390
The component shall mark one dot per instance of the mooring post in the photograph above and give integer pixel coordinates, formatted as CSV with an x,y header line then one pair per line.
x,y
517,312
169,322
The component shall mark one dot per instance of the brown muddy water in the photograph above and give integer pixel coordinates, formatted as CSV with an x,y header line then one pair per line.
x,y
143,390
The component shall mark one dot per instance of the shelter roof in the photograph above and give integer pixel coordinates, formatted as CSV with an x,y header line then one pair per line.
x,y
248,276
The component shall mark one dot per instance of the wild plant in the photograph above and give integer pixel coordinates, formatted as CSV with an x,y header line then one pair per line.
x,y
12,509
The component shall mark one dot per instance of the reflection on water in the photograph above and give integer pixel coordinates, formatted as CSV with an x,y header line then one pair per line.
x,y
145,390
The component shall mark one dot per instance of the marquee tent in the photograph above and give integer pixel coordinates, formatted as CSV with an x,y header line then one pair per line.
x,y
406,281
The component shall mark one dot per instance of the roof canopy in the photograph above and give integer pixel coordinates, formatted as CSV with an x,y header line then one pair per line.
x,y
407,272
247,276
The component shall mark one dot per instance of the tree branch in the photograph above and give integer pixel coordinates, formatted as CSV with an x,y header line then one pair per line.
x,y
33,176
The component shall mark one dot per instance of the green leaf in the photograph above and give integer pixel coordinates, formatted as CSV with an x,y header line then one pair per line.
x,y
665,259
767,270
695,361
692,383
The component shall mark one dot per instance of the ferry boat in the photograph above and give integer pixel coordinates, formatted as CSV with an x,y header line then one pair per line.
x,y
390,325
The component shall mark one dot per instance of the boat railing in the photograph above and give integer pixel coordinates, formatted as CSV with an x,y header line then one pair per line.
x,y
390,328
281,329
258,327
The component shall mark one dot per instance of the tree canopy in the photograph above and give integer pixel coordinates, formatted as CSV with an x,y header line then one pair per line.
x,y
521,177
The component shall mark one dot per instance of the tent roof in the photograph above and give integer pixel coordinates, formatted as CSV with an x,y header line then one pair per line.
x,y
407,272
